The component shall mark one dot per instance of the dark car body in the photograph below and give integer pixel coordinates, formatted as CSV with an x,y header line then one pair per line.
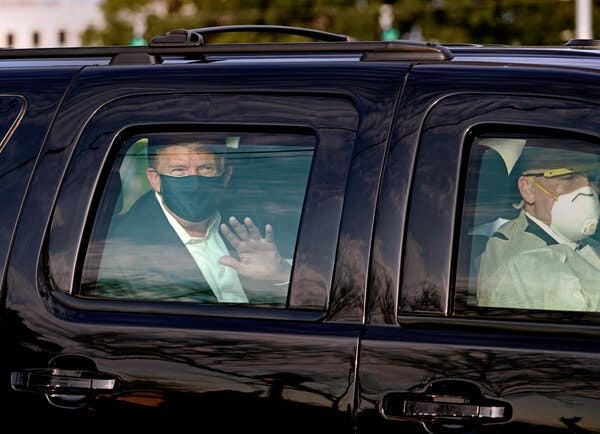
x,y
375,336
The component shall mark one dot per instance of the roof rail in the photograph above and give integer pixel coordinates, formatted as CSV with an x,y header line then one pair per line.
x,y
583,43
406,50
190,44
178,37
371,50
286,30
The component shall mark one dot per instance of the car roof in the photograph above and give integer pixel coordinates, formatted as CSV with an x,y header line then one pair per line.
x,y
185,46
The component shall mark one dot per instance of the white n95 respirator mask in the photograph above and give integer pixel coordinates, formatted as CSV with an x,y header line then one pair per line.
x,y
575,215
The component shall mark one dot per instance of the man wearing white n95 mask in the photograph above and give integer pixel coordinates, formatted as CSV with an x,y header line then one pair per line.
x,y
546,258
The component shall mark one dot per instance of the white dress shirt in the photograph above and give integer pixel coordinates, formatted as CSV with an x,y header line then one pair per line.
x,y
206,251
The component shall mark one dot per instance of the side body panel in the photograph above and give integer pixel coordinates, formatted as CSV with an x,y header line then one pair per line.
x,y
542,374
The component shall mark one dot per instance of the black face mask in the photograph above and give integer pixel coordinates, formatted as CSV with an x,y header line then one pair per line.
x,y
193,198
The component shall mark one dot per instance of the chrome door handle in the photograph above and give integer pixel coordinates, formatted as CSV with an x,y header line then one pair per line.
x,y
63,380
451,407
445,403
65,388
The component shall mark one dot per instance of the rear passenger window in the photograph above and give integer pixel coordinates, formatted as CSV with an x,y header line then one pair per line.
x,y
202,217
530,238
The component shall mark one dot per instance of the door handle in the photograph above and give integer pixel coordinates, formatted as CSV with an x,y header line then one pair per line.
x,y
446,403
452,407
65,387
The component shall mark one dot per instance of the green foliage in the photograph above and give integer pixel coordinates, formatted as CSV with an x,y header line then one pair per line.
x,y
517,22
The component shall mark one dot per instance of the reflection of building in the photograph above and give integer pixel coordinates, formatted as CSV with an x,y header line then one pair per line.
x,y
46,23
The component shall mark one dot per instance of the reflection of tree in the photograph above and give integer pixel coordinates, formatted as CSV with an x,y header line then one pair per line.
x,y
427,299
348,295
263,369
382,302
571,423
419,292
382,294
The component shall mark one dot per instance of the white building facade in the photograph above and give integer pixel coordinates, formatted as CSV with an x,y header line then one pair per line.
x,y
46,23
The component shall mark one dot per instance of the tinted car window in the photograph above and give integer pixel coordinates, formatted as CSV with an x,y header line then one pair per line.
x,y
206,217
530,238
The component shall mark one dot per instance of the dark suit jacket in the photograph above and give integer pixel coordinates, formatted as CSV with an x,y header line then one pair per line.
x,y
144,258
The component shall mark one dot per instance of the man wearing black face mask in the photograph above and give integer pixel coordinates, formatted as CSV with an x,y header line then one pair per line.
x,y
171,243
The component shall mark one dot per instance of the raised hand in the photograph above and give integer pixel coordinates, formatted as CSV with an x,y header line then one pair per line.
x,y
259,258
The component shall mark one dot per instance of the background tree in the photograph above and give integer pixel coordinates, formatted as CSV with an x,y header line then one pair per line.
x,y
515,22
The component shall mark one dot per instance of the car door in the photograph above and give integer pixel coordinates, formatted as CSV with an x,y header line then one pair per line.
x,y
432,359
263,365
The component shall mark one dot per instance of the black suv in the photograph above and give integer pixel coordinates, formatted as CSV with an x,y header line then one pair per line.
x,y
374,172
